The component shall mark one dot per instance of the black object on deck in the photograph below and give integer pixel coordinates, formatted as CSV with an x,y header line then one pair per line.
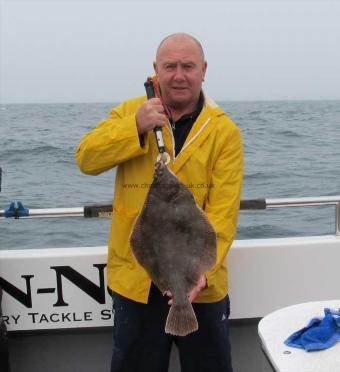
x,y
4,354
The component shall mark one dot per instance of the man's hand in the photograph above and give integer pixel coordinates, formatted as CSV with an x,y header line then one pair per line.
x,y
150,115
201,284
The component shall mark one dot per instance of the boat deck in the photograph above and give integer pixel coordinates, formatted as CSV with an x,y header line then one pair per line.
x,y
90,350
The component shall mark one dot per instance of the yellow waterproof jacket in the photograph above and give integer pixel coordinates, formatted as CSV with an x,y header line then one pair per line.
x,y
210,164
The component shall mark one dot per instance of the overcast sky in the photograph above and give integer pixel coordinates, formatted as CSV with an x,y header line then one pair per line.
x,y
102,51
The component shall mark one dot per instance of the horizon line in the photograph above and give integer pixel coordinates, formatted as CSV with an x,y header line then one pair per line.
x,y
217,100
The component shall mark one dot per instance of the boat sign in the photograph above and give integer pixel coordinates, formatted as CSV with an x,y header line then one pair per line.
x,y
55,288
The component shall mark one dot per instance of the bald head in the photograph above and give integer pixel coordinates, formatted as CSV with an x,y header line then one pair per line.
x,y
180,68
180,38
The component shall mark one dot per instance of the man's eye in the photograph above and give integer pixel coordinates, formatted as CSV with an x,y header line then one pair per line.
x,y
170,67
188,67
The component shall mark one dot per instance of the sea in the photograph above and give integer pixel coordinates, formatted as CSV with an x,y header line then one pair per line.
x,y
291,148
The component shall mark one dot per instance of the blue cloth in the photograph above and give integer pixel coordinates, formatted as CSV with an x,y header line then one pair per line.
x,y
319,334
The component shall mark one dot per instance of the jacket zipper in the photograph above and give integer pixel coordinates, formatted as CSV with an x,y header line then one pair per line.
x,y
195,136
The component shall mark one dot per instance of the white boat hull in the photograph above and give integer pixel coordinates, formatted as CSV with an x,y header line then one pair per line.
x,y
66,287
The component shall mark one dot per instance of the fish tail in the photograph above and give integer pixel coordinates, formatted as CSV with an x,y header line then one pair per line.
x,y
181,320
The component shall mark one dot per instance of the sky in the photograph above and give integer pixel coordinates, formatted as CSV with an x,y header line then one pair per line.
x,y
102,51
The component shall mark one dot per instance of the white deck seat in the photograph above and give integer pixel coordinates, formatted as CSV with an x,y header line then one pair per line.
x,y
276,327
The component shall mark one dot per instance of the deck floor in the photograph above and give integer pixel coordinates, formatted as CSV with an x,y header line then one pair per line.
x,y
88,351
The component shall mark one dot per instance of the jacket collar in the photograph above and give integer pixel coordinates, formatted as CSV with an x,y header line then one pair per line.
x,y
200,130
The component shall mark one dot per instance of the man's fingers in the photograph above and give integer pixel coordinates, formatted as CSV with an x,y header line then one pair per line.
x,y
154,101
160,120
193,294
167,293
158,108
154,104
148,117
201,284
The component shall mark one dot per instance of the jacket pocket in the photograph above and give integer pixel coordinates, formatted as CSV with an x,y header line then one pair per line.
x,y
121,228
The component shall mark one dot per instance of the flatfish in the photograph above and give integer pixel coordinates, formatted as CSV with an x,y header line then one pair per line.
x,y
175,243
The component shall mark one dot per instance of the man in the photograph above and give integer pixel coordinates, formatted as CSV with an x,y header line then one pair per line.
x,y
206,154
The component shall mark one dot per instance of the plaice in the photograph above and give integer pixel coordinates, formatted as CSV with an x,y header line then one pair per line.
x,y
174,241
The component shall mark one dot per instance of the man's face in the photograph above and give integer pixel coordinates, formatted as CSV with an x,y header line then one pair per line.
x,y
180,68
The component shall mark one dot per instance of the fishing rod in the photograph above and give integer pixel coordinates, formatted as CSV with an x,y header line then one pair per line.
x,y
150,93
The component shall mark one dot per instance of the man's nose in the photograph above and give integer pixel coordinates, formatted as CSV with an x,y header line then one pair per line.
x,y
179,73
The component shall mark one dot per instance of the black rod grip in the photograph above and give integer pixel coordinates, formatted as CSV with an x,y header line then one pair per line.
x,y
150,92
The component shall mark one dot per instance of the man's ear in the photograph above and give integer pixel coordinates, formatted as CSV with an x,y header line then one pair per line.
x,y
204,69
155,67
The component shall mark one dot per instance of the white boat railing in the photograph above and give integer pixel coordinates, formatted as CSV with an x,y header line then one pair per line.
x,y
307,202
16,210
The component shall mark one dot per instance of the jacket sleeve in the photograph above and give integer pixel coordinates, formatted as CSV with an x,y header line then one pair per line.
x,y
113,141
223,202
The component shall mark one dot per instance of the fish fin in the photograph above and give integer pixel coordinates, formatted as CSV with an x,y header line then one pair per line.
x,y
209,256
181,320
